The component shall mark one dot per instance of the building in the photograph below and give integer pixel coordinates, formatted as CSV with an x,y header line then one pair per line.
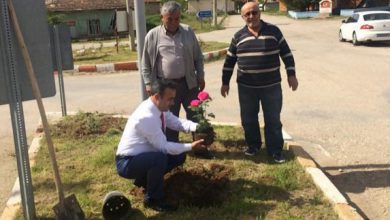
x,y
202,5
346,4
93,18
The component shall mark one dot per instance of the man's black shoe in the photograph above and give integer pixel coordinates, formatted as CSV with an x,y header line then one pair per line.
x,y
278,158
139,183
160,206
251,151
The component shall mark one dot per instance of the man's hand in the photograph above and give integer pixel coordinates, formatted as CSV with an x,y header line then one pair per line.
x,y
148,89
198,145
202,84
292,82
225,90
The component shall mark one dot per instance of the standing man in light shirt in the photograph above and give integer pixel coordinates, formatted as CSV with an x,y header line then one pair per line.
x,y
172,51
144,154
256,49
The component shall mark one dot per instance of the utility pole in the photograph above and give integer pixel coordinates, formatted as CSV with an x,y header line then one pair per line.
x,y
130,25
139,8
214,13
226,7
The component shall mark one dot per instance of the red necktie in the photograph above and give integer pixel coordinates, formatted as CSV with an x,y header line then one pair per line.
x,y
162,122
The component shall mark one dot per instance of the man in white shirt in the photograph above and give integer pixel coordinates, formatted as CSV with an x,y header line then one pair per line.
x,y
144,154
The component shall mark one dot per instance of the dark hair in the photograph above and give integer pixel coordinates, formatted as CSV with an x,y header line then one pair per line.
x,y
160,85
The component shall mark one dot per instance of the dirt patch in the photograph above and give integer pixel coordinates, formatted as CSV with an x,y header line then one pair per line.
x,y
198,186
84,124
203,186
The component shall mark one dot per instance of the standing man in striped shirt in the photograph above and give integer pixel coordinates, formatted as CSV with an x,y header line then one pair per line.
x,y
256,49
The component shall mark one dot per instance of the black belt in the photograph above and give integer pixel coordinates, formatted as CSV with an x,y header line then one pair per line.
x,y
179,79
121,157
176,80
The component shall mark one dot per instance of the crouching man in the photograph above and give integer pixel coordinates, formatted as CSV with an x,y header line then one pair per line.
x,y
144,154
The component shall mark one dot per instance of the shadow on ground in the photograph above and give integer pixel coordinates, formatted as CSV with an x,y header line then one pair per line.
x,y
357,178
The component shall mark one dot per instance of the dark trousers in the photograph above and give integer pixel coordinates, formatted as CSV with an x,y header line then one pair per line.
x,y
271,103
148,169
184,96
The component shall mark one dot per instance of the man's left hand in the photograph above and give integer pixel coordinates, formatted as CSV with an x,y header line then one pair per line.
x,y
201,84
292,82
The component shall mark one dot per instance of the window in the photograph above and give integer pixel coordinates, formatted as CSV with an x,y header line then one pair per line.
x,y
94,27
377,16
353,18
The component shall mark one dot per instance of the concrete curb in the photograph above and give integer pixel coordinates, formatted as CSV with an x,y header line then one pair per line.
x,y
340,204
133,65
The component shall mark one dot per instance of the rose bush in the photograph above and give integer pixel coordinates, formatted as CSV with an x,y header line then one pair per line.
x,y
199,107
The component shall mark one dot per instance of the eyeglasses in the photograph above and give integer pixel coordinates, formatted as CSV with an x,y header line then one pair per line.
x,y
253,13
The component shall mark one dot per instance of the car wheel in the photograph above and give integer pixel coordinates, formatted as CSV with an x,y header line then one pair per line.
x,y
341,39
355,42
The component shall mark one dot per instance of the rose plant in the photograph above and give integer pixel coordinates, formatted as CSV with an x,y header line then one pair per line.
x,y
199,107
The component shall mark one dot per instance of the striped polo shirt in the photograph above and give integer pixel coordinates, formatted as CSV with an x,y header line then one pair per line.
x,y
257,58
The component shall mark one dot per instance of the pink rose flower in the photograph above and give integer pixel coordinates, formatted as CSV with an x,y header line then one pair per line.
x,y
195,103
203,96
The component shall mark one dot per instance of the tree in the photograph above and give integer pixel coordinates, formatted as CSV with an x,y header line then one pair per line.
x,y
55,18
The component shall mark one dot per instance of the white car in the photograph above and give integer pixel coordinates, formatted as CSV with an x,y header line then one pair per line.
x,y
366,26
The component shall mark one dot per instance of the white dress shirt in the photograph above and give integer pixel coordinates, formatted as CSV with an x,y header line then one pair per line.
x,y
143,132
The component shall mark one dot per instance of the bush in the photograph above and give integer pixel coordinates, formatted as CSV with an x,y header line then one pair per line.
x,y
152,21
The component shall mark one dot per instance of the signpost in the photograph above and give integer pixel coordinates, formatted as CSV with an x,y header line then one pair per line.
x,y
204,14
326,6
60,39
15,86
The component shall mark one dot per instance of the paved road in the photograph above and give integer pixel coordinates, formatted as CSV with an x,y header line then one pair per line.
x,y
340,113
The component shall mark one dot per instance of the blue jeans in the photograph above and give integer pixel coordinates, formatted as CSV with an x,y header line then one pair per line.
x,y
271,103
148,170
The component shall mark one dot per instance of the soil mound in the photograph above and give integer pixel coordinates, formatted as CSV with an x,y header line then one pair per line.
x,y
203,186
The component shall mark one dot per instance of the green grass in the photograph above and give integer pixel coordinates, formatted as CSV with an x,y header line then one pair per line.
x,y
258,188
124,54
109,54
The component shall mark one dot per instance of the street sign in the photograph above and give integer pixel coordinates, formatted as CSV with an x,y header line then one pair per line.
x,y
33,23
204,14
65,46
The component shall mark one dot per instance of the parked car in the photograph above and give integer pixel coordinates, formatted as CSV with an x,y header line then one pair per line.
x,y
366,26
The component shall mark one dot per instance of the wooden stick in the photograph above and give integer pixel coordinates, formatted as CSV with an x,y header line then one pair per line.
x,y
38,97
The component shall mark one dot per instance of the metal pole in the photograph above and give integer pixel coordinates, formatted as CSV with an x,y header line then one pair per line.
x,y
139,7
215,13
17,117
130,25
59,69
226,7
38,97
